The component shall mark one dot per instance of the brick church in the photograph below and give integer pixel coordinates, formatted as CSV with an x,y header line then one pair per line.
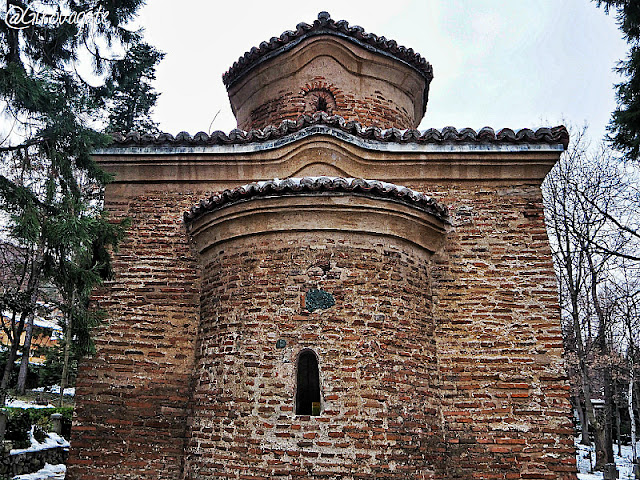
x,y
326,292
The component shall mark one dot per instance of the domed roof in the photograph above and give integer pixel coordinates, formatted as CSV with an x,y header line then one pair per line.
x,y
325,25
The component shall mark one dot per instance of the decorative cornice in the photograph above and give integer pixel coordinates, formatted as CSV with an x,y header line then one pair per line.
x,y
448,135
325,25
317,185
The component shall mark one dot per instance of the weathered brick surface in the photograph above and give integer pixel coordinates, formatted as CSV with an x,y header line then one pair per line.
x,y
432,367
370,110
133,394
376,353
504,397
448,367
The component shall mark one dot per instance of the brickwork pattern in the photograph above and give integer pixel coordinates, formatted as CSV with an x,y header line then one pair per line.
x,y
375,111
505,401
376,356
465,381
133,394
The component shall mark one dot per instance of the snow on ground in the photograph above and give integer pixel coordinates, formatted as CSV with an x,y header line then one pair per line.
x,y
22,404
49,472
71,391
52,440
586,458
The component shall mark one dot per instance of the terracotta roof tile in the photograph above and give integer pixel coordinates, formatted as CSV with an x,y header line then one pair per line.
x,y
307,185
448,135
325,25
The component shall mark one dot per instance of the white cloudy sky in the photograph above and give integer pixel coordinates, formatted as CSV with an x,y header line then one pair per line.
x,y
512,63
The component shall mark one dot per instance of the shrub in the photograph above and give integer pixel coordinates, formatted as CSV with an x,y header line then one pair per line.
x,y
41,417
20,420
18,427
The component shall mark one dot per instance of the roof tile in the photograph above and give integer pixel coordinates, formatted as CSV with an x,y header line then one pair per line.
x,y
325,25
298,186
448,135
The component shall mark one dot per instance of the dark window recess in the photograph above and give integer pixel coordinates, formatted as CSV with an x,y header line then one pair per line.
x,y
308,388
319,100
322,104
316,299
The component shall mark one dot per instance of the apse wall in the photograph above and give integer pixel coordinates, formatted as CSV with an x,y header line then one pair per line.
x,y
375,348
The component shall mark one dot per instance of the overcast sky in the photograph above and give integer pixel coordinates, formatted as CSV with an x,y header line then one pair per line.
x,y
496,63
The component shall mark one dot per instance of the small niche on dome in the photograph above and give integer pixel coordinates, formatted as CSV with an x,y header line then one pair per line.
x,y
319,100
322,105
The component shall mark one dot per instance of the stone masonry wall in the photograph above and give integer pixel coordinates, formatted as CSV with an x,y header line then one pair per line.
x,y
375,110
30,461
133,394
493,315
376,350
505,402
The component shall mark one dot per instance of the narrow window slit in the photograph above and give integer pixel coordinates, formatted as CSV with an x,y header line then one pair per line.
x,y
308,385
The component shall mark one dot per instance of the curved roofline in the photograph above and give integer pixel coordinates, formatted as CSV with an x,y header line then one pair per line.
x,y
325,25
288,128
315,186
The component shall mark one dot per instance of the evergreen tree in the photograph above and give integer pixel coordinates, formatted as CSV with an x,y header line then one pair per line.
x,y
58,77
624,127
133,95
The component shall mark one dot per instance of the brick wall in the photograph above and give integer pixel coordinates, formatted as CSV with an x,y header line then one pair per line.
x,y
371,110
505,401
376,356
132,395
460,379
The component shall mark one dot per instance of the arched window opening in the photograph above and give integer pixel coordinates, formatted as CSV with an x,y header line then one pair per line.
x,y
322,104
308,385
319,100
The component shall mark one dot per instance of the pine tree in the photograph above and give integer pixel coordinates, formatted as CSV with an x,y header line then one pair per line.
x,y
624,127
55,109
133,94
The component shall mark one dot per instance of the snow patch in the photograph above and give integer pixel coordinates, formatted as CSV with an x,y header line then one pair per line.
x,y
71,391
586,457
48,472
22,404
53,440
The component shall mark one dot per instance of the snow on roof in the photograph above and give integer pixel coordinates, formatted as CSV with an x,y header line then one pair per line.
x,y
50,320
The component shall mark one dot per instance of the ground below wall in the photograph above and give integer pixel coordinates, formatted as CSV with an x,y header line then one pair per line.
x,y
29,462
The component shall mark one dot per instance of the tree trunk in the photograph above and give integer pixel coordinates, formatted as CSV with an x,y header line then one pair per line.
x,y
618,434
608,414
16,331
26,351
632,416
601,448
607,423
595,423
584,421
34,281
67,349
7,373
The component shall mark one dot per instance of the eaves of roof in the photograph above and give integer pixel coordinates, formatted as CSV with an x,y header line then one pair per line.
x,y
320,122
325,25
318,186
